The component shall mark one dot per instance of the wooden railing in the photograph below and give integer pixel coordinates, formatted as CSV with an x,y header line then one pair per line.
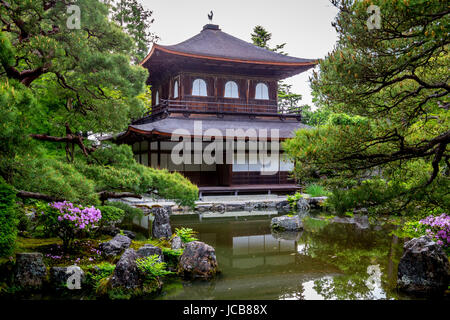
x,y
211,105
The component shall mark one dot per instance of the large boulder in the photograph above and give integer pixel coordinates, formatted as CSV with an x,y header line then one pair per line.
x,y
287,223
126,274
161,224
116,245
423,268
30,270
148,250
71,277
198,260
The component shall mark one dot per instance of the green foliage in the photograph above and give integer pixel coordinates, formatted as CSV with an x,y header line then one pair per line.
x,y
136,21
316,117
411,229
315,190
113,167
175,186
152,267
56,178
98,275
172,256
172,253
130,213
15,101
83,75
186,234
261,37
8,220
369,193
110,215
287,100
342,119
293,200
386,90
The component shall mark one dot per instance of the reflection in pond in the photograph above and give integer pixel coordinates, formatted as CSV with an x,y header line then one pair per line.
x,y
326,261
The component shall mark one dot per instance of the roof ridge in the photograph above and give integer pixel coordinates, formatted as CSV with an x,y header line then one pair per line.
x,y
212,42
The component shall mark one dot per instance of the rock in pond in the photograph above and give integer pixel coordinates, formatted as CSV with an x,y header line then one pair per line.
x,y
116,245
423,268
283,206
71,277
287,235
161,225
198,260
287,223
148,250
303,205
126,274
30,270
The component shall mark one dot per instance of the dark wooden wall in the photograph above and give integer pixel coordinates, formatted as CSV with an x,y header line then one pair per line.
x,y
216,88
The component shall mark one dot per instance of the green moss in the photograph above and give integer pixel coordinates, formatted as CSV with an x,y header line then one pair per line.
x,y
162,243
149,287
35,244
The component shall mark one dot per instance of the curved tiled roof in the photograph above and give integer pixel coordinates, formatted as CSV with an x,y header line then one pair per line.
x,y
169,125
213,43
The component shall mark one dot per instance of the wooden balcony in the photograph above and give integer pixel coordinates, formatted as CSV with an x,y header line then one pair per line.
x,y
222,106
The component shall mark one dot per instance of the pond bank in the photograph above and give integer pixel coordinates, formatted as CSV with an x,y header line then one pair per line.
x,y
221,204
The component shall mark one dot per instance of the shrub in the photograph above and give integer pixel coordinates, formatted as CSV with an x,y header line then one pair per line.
x,y
171,256
186,234
55,178
315,190
129,212
8,219
110,215
152,267
369,193
67,221
438,228
98,275
411,229
293,199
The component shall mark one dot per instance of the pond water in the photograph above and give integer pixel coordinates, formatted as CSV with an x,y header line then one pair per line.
x,y
326,261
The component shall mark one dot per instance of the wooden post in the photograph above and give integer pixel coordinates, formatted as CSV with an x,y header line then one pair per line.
x,y
149,152
159,154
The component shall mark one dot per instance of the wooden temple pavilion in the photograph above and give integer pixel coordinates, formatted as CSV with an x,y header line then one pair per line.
x,y
222,83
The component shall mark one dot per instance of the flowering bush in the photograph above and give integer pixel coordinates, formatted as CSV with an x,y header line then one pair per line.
x,y
67,221
438,227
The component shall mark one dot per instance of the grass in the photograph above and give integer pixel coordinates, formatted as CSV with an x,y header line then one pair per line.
x,y
315,190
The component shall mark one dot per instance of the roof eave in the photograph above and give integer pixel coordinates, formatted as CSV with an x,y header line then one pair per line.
x,y
185,54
